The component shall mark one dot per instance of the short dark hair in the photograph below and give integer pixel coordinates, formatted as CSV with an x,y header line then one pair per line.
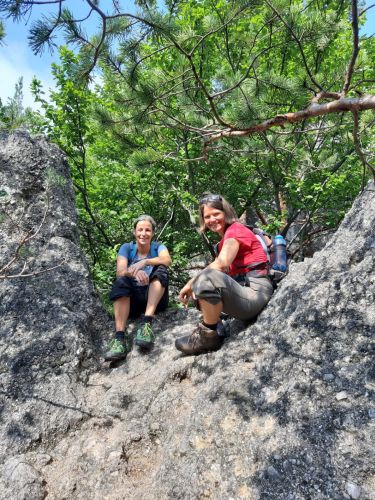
x,y
220,203
147,218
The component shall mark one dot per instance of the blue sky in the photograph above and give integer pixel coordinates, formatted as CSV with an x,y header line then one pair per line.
x,y
17,59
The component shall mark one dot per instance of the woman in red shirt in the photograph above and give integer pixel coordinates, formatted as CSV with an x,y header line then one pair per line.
x,y
236,282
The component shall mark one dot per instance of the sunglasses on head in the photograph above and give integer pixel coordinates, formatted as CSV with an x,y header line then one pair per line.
x,y
209,198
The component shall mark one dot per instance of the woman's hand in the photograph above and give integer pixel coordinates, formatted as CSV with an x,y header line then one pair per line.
x,y
137,266
141,277
185,293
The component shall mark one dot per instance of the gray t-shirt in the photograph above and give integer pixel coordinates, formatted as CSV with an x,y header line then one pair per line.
x,y
126,250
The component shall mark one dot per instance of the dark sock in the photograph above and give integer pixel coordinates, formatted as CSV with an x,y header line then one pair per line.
x,y
120,335
148,319
211,327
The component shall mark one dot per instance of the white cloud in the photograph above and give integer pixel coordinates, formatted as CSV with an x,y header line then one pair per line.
x,y
16,60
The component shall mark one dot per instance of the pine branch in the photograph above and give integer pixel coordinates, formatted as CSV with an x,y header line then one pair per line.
x,y
350,70
142,59
339,105
20,9
221,27
244,77
366,9
294,36
41,34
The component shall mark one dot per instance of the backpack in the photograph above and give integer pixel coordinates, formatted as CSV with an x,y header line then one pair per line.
x,y
266,241
133,250
267,245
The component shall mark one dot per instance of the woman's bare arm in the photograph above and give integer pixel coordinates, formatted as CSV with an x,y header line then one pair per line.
x,y
226,256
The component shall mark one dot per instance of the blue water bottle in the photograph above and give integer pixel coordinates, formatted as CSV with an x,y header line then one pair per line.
x,y
278,254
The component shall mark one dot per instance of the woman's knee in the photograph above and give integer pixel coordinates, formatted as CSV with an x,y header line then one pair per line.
x,y
160,273
122,287
206,278
206,287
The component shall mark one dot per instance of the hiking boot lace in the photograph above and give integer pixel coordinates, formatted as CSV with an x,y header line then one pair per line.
x,y
116,345
146,333
195,335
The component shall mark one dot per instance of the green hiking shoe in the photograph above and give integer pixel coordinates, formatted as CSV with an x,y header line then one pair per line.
x,y
145,336
117,350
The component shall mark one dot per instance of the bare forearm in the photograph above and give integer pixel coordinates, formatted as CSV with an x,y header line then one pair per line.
x,y
219,265
163,260
122,273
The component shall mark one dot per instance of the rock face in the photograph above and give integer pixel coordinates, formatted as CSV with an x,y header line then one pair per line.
x,y
50,321
284,410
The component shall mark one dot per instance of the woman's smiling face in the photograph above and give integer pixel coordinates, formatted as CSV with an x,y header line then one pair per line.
x,y
214,219
143,232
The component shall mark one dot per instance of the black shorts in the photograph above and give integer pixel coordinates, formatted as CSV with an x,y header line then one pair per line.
x,y
128,287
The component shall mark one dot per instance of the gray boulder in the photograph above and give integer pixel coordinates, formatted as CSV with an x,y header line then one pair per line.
x,y
285,410
51,319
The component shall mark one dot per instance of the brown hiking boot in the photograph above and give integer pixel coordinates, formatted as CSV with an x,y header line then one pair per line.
x,y
202,340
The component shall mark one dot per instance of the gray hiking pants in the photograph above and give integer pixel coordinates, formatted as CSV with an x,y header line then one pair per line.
x,y
241,302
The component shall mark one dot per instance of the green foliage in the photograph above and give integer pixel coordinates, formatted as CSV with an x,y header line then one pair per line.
x,y
13,115
172,79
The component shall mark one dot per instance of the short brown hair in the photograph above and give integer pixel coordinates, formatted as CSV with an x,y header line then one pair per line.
x,y
216,201
146,217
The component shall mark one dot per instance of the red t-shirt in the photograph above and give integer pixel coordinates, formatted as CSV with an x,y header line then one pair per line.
x,y
250,250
